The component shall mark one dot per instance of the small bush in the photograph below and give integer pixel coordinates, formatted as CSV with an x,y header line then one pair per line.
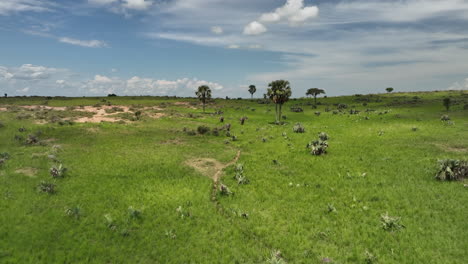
x,y
318,147
57,171
203,130
2,125
224,190
323,136
31,140
46,187
298,128
445,118
242,120
353,112
452,170
391,223
369,257
221,119
317,113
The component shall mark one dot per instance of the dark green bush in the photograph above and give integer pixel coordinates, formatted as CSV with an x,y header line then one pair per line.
x,y
452,170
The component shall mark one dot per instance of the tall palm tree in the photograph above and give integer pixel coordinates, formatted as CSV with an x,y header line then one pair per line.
x,y
203,93
314,92
279,92
252,90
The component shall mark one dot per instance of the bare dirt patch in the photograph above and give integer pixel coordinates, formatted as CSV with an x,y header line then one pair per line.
x,y
211,167
186,104
452,148
30,172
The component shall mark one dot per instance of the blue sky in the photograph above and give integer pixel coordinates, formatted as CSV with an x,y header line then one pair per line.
x,y
170,47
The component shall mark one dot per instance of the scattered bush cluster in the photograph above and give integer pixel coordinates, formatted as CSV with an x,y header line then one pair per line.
x,y
239,176
298,128
319,147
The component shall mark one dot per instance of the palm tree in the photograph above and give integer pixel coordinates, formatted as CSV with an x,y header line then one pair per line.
x,y
314,92
252,90
447,103
203,93
389,89
279,92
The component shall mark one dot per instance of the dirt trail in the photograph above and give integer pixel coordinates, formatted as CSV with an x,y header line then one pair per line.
x,y
211,167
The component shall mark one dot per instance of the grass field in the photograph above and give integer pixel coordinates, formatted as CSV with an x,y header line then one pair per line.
x,y
130,194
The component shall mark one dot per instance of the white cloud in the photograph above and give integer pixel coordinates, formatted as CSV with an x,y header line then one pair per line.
x,y
293,11
254,28
137,4
83,43
15,6
217,30
102,2
233,46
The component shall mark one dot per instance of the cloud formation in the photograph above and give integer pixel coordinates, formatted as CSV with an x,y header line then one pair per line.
x,y
8,7
83,43
31,79
293,11
254,28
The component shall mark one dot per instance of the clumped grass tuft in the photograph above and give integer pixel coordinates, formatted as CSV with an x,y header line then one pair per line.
x,y
46,187
134,213
323,136
74,212
369,258
298,128
224,190
391,223
276,258
452,170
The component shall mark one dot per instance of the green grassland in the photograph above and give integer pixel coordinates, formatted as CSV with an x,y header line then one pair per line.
x,y
313,209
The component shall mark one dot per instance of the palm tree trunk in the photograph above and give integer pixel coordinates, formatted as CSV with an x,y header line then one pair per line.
x,y
279,116
276,113
315,99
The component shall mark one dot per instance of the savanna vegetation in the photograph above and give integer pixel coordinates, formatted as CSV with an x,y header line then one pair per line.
x,y
378,178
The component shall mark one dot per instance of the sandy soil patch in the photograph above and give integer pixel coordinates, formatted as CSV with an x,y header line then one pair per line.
x,y
30,172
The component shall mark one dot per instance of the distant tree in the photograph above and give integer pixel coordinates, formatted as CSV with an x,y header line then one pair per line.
x,y
315,92
252,90
203,93
111,95
447,103
279,93
389,89
6,95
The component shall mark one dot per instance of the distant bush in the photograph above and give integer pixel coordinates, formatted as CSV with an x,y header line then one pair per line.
x,y
31,140
317,113
134,213
452,170
203,130
297,109
1,125
111,95
353,112
298,128
445,118
73,212
341,106
224,190
221,119
239,175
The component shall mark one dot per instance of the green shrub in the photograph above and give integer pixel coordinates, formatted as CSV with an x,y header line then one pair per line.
x,y
298,128
297,109
224,190
317,113
2,125
276,258
452,170
134,213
